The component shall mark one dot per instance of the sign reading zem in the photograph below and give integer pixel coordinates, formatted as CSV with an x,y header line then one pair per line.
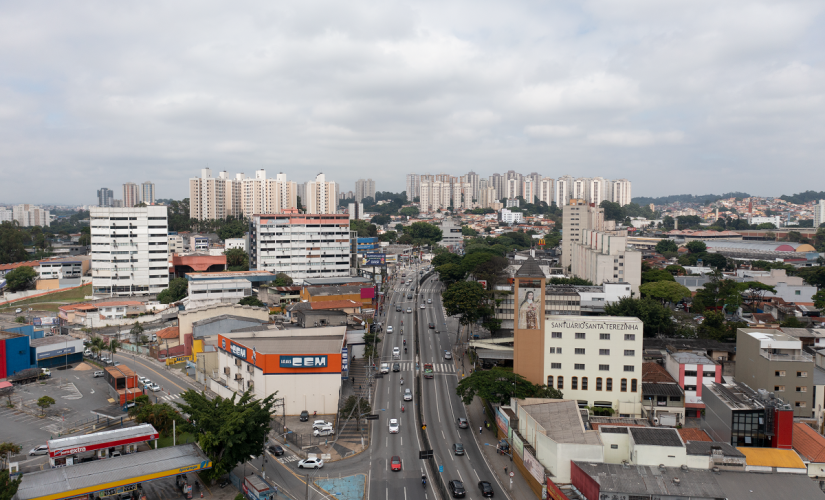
x,y
304,361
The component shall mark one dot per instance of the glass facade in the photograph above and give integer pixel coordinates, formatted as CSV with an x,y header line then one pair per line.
x,y
748,429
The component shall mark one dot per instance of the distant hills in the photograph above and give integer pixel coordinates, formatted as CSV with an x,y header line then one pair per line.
x,y
805,197
798,199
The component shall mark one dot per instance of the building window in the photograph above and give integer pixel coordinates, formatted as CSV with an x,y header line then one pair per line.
x,y
614,447
630,336
608,384
634,386
690,373
624,385
690,388
584,383
802,389
779,373
709,374
555,366
598,383
549,381
604,368
560,384
802,374
574,383
579,336
556,335
552,350
629,352
579,350
801,404
604,352
674,399
779,388
604,336
578,366
629,368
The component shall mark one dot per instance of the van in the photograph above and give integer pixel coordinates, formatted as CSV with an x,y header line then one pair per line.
x,y
87,352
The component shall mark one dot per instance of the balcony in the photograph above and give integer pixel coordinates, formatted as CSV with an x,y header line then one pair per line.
x,y
781,356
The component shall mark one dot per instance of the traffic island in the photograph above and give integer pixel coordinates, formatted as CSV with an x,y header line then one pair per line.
x,y
344,488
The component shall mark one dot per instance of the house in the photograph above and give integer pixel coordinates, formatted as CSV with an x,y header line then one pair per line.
x,y
663,400
810,445
693,370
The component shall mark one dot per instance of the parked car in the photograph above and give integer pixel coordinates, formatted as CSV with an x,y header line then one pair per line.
x,y
462,423
407,394
87,352
18,311
143,380
394,426
311,463
395,463
456,488
486,489
153,387
458,448
304,416
99,373
116,453
320,423
275,449
323,431
43,449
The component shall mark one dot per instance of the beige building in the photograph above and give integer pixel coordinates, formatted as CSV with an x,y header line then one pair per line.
x,y
30,215
435,195
774,361
131,194
207,197
576,216
601,257
268,196
224,196
546,190
322,196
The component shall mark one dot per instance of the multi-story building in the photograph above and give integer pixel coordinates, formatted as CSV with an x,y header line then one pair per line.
x,y
364,188
300,245
176,243
510,217
601,257
597,190
744,418
474,180
486,195
6,215
129,250
233,194
355,210
207,197
147,193
580,189
563,186
30,215
576,216
104,197
131,194
546,190
528,190
413,188
819,213
512,188
322,197
775,362
620,192
435,195
693,371
221,197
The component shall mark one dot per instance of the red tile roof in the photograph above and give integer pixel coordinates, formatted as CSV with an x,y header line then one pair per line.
x,y
808,443
15,265
690,434
654,373
172,332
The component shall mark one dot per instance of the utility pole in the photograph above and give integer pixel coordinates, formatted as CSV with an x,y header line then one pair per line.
x,y
306,484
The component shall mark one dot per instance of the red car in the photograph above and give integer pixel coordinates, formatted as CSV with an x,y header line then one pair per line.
x,y
395,463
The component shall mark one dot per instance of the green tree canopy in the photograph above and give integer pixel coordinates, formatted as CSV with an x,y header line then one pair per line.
x,y
390,236
450,273
236,260
178,289
719,293
21,278
715,327
815,276
231,228
570,281
229,430
466,299
676,270
282,279
756,291
136,331
423,233
655,317
12,248
363,228
409,211
696,246
445,258
161,415
498,385
656,275
381,219
251,300
819,299
666,245
44,402
666,291
8,486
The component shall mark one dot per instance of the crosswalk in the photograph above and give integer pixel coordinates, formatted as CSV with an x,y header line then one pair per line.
x,y
437,367
169,397
287,458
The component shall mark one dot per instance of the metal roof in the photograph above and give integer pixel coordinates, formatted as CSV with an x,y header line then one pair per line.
x,y
705,447
656,436
646,481
662,390
298,344
67,482
530,269
494,354
102,437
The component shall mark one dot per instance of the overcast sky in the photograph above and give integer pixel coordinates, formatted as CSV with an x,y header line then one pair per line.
x,y
691,96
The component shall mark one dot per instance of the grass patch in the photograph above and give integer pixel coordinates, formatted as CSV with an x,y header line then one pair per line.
x,y
74,295
182,439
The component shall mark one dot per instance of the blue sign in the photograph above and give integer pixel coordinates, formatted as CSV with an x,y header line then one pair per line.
x,y
440,468
304,361
344,359
57,352
238,351
375,259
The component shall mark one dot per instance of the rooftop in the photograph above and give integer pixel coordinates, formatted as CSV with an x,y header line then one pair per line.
x,y
757,486
808,443
334,290
222,317
560,419
530,269
654,373
289,343
102,437
662,389
693,434
656,436
705,448
54,340
172,332
336,281
646,480
228,275
772,457
691,358
120,371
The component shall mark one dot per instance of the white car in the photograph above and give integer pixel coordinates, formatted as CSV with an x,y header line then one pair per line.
x,y
407,395
323,431
389,329
311,463
153,387
18,310
422,306
396,351
320,423
429,301
43,449
385,367
394,426
144,380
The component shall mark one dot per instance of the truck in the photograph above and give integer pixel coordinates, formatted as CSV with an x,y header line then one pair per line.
x,y
428,370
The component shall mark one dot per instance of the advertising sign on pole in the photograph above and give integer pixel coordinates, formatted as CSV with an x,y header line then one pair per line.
x,y
375,260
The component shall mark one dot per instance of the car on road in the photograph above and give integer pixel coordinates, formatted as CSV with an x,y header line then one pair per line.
x,y
396,367
462,423
395,463
486,489
403,275
304,416
407,394
456,488
320,423
394,426
385,367
18,311
324,431
396,351
423,306
458,448
398,309
153,387
311,463
275,449
409,296
99,373
448,355
429,301
143,380
43,449
431,326
409,310
389,329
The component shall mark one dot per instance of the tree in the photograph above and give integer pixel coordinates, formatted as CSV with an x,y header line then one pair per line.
x,y
251,300
178,289
363,228
282,279
8,486
236,260
389,236
381,219
44,403
423,233
570,281
445,258
666,291
21,278
716,260
819,299
12,248
161,415
113,347
655,317
467,299
676,270
232,228
7,449
666,245
498,385
351,403
468,231
814,276
792,322
409,211
756,290
98,345
696,246
450,273
136,331
656,275
719,293
7,392
228,430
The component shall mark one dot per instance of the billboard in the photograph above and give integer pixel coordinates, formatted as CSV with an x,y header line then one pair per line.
x,y
45,321
304,361
57,352
529,308
375,260
533,466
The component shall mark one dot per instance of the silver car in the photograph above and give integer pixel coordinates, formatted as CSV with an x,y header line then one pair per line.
x,y
43,449
407,395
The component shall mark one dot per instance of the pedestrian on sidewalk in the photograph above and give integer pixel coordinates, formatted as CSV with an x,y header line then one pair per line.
x,y
505,470
479,429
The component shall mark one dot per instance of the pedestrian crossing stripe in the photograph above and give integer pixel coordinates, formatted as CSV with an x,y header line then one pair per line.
x,y
287,458
437,367
169,397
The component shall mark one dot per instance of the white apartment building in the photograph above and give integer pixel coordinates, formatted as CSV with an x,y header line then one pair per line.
x,y
131,194
563,186
364,188
30,215
511,217
435,195
224,196
232,194
300,245
322,196
775,220
129,250
147,193
597,190
601,257
819,213
579,189
620,192
6,215
528,190
216,291
207,197
596,361
176,244
413,187
546,190
512,188
577,215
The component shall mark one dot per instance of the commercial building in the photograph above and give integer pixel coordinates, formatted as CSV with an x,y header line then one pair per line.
x,y
451,235
693,370
71,450
300,245
205,292
14,353
196,324
105,197
30,215
774,361
61,350
129,250
304,367
509,217
240,243
322,196
663,400
131,194
364,188
742,417
147,193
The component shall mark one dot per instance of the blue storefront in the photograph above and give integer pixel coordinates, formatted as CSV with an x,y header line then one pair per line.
x,y
14,353
367,244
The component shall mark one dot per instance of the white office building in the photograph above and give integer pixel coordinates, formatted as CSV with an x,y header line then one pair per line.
x,y
819,213
129,250
511,217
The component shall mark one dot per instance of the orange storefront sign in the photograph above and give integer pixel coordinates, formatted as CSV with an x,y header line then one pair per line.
x,y
282,363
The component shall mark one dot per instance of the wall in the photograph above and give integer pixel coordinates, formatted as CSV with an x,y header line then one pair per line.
x,y
671,456
16,355
223,326
586,484
622,443
186,318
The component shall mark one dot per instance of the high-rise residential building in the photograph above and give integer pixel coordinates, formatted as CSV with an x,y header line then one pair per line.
x,y
129,250
511,188
579,189
597,190
412,187
603,257
473,179
546,191
6,215
278,243
563,186
535,178
528,190
496,181
207,197
147,193
104,197
233,194
268,196
819,213
131,194
321,196
486,194
435,195
576,216
117,203
30,215
301,189
364,188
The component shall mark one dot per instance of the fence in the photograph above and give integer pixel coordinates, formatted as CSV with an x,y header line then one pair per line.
x,y
302,440
143,351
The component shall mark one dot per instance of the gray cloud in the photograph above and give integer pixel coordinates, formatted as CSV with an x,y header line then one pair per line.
x,y
729,95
